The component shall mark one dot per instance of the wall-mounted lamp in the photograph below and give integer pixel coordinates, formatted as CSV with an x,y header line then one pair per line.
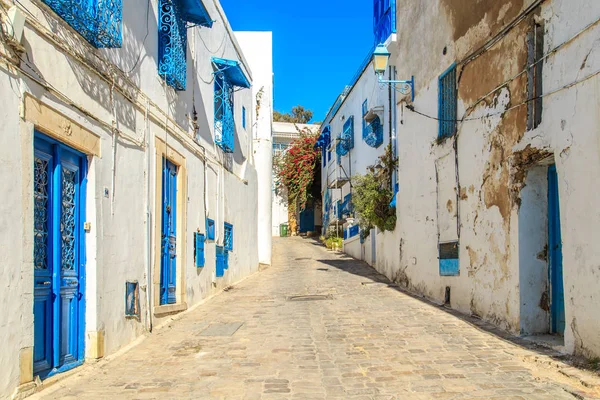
x,y
381,57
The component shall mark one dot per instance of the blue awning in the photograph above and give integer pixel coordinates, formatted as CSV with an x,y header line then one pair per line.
x,y
232,71
195,13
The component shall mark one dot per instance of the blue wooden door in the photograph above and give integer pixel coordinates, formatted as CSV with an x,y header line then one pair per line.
x,y
59,276
557,297
168,294
307,220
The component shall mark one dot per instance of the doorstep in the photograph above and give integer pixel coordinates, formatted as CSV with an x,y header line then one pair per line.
x,y
166,309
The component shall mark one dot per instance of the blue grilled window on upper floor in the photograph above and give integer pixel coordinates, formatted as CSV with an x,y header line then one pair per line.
x,y
228,239
228,75
447,100
345,142
100,22
174,17
384,19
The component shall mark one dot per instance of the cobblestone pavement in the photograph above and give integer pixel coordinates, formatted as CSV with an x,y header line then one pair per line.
x,y
361,340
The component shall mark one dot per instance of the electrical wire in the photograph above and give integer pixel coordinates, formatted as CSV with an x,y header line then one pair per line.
x,y
143,41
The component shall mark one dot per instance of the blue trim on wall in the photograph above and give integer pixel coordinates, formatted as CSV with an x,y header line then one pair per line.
x,y
449,267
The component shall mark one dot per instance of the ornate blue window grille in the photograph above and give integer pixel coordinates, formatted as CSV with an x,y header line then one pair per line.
x,y
228,240
98,21
172,44
447,103
224,122
384,19
373,133
346,140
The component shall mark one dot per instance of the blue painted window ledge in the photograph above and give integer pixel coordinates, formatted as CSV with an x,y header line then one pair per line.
x,y
98,21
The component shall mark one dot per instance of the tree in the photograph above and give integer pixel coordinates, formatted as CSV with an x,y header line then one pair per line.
x,y
299,115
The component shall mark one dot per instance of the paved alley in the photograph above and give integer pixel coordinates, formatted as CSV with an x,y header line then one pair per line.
x,y
318,325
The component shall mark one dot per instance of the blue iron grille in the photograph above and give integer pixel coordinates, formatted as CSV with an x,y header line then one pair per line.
x,y
228,240
40,220
447,103
98,21
172,44
224,123
373,133
346,139
384,19
67,219
199,240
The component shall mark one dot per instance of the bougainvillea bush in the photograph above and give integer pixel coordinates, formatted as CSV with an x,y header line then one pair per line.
x,y
296,169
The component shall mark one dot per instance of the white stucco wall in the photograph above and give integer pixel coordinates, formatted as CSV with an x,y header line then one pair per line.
x,y
118,243
258,49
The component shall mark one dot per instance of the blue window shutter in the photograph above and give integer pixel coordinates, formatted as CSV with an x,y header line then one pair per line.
x,y
199,250
447,100
100,22
228,240
220,261
210,229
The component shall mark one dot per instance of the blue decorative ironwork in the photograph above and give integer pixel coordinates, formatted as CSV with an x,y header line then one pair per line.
x,y
40,214
98,21
384,19
447,103
67,219
172,44
224,122
373,133
228,239
346,139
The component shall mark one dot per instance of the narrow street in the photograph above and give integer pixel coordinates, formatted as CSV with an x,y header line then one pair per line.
x,y
352,337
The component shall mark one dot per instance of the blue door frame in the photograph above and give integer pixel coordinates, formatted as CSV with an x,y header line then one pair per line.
x,y
555,270
60,178
168,267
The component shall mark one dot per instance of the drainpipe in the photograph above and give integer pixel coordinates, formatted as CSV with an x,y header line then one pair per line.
x,y
148,255
394,135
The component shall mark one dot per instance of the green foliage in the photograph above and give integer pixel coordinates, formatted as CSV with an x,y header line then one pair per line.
x,y
372,194
299,115
334,242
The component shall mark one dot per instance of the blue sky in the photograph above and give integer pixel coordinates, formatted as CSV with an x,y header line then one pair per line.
x,y
318,45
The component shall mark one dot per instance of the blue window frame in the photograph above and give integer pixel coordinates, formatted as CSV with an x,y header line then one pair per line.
x,y
173,19
228,239
220,261
243,117
210,229
447,103
199,240
228,74
448,258
384,19
345,141
98,21
372,132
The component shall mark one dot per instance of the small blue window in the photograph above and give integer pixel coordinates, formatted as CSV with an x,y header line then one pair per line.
x,y
199,249
132,299
448,257
228,240
210,229
345,141
447,103
220,261
98,21
243,117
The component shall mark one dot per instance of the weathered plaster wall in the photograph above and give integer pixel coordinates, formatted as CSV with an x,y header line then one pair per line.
x,y
498,164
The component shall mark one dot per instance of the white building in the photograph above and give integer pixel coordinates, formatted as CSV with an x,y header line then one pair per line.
x,y
130,173
284,133
498,163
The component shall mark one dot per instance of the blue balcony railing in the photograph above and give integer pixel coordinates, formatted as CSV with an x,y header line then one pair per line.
x,y
98,21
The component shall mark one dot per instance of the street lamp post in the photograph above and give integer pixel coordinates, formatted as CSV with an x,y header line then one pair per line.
x,y
381,57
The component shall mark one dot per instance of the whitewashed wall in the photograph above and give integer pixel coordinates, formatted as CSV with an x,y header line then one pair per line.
x,y
118,243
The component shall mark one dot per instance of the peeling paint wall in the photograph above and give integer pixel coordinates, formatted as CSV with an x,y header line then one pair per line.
x,y
498,194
